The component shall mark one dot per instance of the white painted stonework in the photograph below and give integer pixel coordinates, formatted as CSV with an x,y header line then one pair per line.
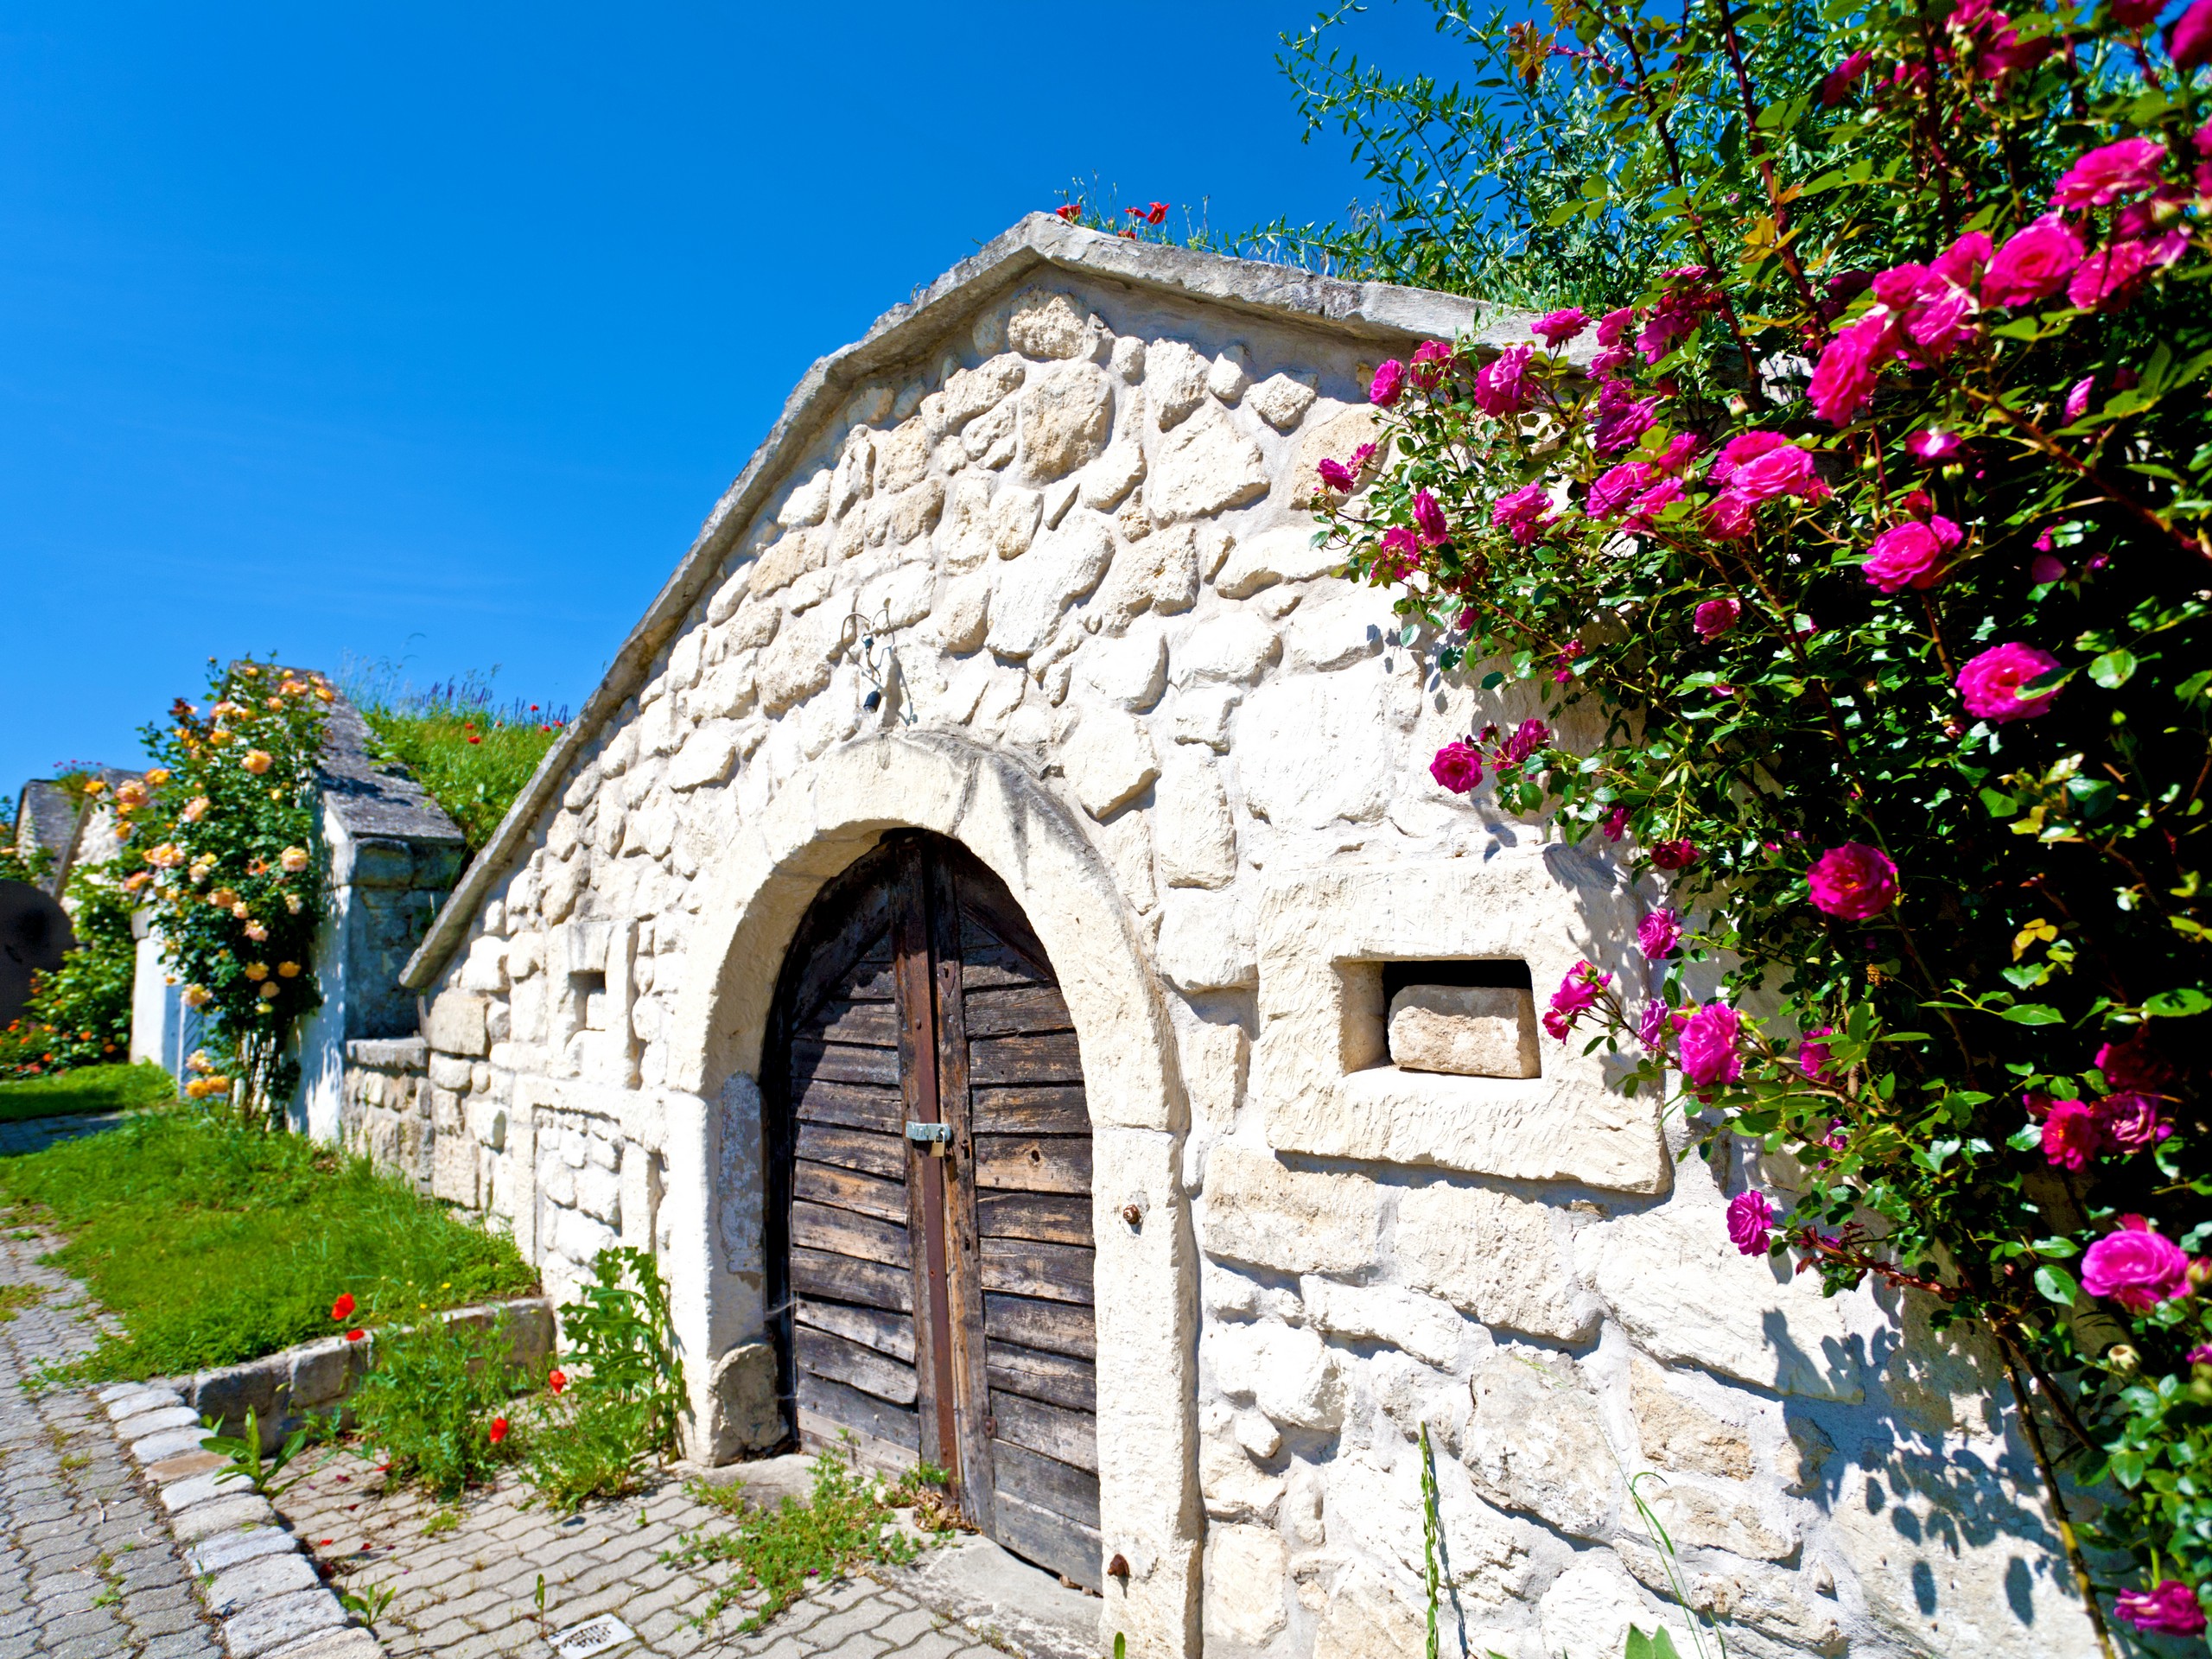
x,y
1053,515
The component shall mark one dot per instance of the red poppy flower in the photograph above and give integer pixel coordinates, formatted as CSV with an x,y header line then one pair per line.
x,y
557,1381
355,1336
499,1430
1156,214
1068,210
343,1306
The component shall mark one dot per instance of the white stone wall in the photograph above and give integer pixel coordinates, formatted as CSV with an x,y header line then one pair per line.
x,y
1076,537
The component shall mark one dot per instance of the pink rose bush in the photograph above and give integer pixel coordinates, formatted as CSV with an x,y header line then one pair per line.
x,y
1751,1223
2137,1266
1854,881
1992,685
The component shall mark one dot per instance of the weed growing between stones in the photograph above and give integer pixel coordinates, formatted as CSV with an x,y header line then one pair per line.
x,y
595,1429
14,1299
850,1520
435,1404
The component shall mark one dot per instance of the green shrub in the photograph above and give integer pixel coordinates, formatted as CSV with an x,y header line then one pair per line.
x,y
435,1403
79,1012
87,1089
215,1243
623,1405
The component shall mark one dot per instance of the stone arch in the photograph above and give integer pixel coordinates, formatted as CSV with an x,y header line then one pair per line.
x,y
756,891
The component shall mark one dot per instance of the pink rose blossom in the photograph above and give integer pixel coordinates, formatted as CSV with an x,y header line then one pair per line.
x,y
1658,934
1524,512
1616,824
1607,363
1751,1223
2046,567
1990,684
1715,617
1400,553
2131,1121
1656,1025
2109,172
1502,387
1677,854
1428,519
1729,517
1681,449
1744,448
2033,265
1812,1055
1456,767
1854,881
2112,273
2077,397
1338,476
1576,995
2134,1065
1613,323
1390,383
1932,444
2072,1134
1785,471
1910,554
1620,418
2137,1267
2191,40
1431,358
1555,328
1843,380
2168,1609
1653,501
1708,1045
1933,303
1614,485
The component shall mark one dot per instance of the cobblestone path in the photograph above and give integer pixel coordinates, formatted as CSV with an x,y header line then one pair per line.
x,y
88,1569
465,1580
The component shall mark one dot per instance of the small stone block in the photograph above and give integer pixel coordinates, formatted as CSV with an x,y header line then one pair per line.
x,y
333,1644
152,1422
140,1401
192,1463
203,1489
319,1371
170,1443
204,1520
269,1625
259,1580
225,1395
226,1550
115,1391
1474,1031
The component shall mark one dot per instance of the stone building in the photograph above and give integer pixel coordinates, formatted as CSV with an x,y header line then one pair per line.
x,y
993,934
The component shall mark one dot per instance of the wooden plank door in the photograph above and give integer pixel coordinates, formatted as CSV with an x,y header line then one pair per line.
x,y
940,1292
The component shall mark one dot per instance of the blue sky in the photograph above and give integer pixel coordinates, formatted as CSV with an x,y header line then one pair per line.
x,y
428,334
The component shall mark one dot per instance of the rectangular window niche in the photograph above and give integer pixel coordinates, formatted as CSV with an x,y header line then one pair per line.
x,y
1468,1017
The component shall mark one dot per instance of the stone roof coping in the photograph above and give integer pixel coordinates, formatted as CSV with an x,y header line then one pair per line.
x,y
1388,315
373,802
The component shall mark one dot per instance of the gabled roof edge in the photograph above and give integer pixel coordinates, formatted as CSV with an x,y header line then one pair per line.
x,y
1378,311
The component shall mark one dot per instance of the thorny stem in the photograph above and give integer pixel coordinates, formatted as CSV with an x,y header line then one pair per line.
x,y
2042,440
2033,1430
1784,251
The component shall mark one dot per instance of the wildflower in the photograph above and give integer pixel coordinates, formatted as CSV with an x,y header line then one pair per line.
x,y
1854,881
344,1306
2110,171
1388,384
1502,387
557,1381
256,761
2170,1608
293,859
354,1335
1990,684
1843,380
499,1430
1428,519
1837,84
1910,554
1678,855
1555,328
1751,1223
1658,934
2033,265
1431,358
1068,212
1932,444
1576,995
1456,767
2137,1267
1715,617
1708,1045
2131,1122
1156,213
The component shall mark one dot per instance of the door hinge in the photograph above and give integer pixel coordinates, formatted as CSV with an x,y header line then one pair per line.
x,y
930,1135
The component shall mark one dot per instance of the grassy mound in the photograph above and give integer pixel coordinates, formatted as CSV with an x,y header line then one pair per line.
x,y
86,1089
216,1242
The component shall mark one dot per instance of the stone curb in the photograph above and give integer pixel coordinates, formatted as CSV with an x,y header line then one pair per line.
x,y
257,1579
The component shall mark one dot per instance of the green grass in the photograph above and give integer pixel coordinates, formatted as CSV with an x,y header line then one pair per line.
x,y
215,1243
475,781
87,1089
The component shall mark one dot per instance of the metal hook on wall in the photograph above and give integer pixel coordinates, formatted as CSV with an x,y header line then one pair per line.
x,y
875,653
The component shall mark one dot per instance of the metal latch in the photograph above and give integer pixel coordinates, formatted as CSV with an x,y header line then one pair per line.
x,y
926,1135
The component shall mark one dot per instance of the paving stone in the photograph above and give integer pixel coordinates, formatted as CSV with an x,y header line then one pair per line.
x,y
259,1580
151,1422
332,1644
204,1520
269,1625
170,1443
201,1489
226,1550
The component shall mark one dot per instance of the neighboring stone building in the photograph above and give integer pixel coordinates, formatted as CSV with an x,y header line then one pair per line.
x,y
999,878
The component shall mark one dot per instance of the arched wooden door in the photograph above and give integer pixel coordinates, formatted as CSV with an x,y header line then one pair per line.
x,y
931,1214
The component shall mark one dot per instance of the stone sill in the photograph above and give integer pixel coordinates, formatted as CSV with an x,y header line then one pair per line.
x,y
396,1053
